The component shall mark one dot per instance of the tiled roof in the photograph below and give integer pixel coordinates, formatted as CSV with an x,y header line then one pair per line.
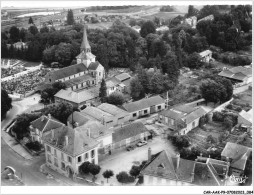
x,y
78,142
246,115
122,77
97,113
67,71
85,43
79,117
44,123
210,172
169,169
238,153
184,108
143,103
112,82
238,73
94,65
97,130
128,131
77,96
112,109
78,80
244,70
195,114
172,114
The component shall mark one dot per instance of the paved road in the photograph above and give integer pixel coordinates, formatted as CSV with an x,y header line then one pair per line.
x,y
28,168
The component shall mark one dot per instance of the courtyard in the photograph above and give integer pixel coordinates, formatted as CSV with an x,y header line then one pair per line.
x,y
123,161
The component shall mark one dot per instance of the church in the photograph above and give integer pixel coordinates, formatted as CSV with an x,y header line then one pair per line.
x,y
86,73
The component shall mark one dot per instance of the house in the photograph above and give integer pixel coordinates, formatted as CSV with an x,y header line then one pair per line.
x,y
162,28
238,74
206,55
107,114
41,125
87,70
145,106
78,98
245,120
112,85
210,172
163,169
129,134
100,133
136,28
182,118
192,21
77,119
210,17
237,155
66,149
125,79
19,45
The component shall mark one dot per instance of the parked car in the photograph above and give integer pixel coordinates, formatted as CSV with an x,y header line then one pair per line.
x,y
129,148
141,143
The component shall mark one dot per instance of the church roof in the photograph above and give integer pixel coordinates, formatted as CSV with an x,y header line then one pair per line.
x,y
85,55
85,43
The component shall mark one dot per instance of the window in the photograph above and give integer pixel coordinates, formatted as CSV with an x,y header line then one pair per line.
x,y
159,107
55,152
93,161
49,80
62,156
56,162
193,124
92,82
49,158
99,73
48,149
92,153
86,156
145,111
63,166
79,159
134,114
69,159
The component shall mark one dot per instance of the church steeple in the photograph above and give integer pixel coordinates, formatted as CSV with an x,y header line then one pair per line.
x,y
85,44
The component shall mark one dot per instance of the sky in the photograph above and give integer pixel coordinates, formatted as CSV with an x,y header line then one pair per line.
x,y
62,3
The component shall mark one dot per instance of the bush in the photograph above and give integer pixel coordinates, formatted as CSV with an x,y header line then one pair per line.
x,y
211,139
180,141
36,146
123,177
218,116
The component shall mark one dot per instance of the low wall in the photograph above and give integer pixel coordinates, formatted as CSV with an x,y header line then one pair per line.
x,y
222,106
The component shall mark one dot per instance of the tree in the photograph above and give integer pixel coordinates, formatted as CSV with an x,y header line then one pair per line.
x,y
211,139
14,34
191,11
135,170
70,17
156,21
132,22
60,111
228,122
58,86
103,91
115,98
94,169
107,174
123,177
194,60
30,21
5,103
20,128
136,89
22,34
33,30
44,29
84,167
208,10
63,54
147,28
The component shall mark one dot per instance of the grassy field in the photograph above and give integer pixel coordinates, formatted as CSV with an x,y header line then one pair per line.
x,y
163,15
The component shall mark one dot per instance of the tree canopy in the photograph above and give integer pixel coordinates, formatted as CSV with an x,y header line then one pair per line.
x,y
5,103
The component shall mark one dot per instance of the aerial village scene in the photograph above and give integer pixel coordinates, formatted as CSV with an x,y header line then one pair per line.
x,y
126,95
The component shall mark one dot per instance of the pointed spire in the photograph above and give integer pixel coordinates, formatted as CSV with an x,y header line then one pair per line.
x,y
85,44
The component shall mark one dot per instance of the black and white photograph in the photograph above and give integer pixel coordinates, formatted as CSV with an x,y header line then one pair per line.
x,y
118,95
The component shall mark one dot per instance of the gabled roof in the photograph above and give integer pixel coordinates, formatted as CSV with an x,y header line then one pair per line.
x,y
78,142
79,117
67,71
78,80
242,69
205,53
112,82
238,73
94,65
246,115
169,170
172,114
46,123
184,108
210,172
195,114
123,76
128,131
143,103
112,109
97,113
238,153
96,129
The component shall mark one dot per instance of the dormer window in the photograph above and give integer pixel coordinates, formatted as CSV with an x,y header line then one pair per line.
x,y
161,166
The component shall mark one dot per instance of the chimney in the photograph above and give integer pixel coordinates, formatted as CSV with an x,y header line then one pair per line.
x,y
49,115
177,160
52,134
88,132
149,154
66,140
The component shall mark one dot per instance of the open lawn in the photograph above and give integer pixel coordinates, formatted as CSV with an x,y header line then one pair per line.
x,y
163,15
31,64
